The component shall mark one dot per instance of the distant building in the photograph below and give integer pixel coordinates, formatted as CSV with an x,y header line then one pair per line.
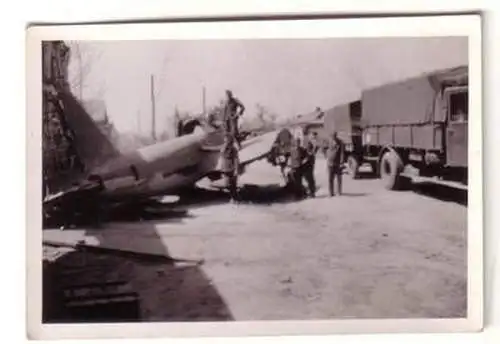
x,y
312,122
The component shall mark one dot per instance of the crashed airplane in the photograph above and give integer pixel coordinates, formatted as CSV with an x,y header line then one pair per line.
x,y
151,172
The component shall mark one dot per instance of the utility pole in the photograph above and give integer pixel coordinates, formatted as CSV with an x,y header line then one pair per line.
x,y
204,100
153,110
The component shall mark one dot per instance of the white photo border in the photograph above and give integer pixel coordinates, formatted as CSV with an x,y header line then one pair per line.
x,y
418,26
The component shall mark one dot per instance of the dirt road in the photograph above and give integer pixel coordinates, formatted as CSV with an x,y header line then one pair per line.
x,y
370,253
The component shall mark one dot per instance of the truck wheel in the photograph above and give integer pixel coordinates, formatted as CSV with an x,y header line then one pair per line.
x,y
353,166
390,171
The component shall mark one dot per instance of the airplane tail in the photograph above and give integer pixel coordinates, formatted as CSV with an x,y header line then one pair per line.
x,y
92,145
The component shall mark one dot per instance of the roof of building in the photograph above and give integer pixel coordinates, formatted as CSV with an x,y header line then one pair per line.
x,y
314,117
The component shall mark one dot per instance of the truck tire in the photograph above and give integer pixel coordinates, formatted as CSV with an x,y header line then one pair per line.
x,y
352,166
390,171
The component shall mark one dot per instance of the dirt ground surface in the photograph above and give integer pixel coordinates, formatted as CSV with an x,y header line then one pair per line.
x,y
370,253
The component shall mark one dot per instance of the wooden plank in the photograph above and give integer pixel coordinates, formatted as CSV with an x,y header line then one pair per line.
x,y
108,250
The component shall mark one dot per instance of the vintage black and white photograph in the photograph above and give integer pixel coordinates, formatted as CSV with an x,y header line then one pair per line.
x,y
255,179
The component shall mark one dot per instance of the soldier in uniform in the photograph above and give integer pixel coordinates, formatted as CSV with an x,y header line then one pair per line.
x,y
335,152
233,109
230,166
297,157
308,169
279,157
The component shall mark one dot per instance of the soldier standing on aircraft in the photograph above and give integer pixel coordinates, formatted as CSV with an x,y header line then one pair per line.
x,y
335,161
230,165
308,169
233,109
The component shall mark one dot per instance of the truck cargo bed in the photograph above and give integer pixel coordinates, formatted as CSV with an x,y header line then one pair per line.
x,y
415,100
415,136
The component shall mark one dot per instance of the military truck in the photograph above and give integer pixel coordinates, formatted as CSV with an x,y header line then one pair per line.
x,y
416,130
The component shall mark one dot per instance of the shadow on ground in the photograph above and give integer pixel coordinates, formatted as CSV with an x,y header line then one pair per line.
x,y
129,213
441,192
365,175
99,285
354,194
345,194
248,193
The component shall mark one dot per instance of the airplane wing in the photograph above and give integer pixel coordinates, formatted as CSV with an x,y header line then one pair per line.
x,y
257,147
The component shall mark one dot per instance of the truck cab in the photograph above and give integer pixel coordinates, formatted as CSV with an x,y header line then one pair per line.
x,y
457,110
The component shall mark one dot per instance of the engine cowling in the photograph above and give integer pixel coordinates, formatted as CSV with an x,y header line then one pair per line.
x,y
188,127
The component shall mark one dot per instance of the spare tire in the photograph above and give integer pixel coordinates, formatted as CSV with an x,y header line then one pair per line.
x,y
390,169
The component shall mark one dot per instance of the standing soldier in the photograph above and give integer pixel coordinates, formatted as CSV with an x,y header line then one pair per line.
x,y
308,169
297,156
335,161
233,109
230,166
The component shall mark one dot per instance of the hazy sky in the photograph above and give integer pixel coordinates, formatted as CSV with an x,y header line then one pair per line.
x,y
288,76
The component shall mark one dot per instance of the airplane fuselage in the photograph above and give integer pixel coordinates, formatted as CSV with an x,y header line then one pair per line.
x,y
163,168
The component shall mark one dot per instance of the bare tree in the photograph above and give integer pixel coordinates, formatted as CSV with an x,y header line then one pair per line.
x,y
157,85
266,117
84,58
